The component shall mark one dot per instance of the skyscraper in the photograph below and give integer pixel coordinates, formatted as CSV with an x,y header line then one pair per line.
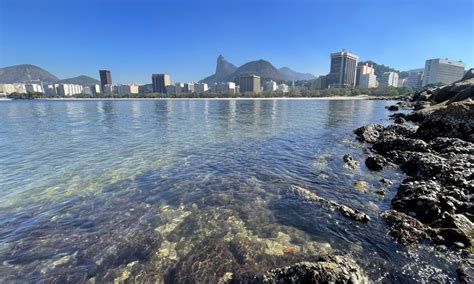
x,y
389,79
105,77
250,84
363,69
343,69
442,70
160,81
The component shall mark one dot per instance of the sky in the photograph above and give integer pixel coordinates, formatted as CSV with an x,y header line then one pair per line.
x,y
134,39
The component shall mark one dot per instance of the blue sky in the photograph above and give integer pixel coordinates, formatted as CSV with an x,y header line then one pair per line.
x,y
183,38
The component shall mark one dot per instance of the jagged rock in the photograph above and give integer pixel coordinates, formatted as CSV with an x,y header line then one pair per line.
x,y
347,211
399,130
393,108
451,169
449,92
328,269
456,228
400,144
455,121
406,229
422,105
452,145
369,133
350,162
376,162
386,181
400,120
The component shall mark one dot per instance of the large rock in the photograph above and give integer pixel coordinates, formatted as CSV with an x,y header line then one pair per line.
x,y
468,75
376,162
406,229
307,195
369,133
400,143
449,92
456,228
455,121
452,145
328,269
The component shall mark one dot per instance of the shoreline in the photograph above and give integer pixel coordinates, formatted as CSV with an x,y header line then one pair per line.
x,y
336,98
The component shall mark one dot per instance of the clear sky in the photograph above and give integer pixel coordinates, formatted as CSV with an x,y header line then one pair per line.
x,y
134,39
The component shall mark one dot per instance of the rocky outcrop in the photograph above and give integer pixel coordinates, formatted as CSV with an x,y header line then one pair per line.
x,y
404,228
328,269
306,195
436,199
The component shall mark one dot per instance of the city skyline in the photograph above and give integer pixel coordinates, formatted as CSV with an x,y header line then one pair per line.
x,y
179,46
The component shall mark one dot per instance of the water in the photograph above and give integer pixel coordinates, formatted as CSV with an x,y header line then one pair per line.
x,y
183,190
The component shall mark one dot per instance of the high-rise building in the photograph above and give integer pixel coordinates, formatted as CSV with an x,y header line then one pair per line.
x,y
389,79
415,79
34,88
367,81
105,77
343,69
364,69
270,86
442,70
250,84
320,83
160,82
402,82
200,88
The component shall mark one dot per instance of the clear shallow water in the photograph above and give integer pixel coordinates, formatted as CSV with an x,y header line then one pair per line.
x,y
183,190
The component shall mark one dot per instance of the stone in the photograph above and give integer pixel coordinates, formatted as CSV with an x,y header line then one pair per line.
x,y
307,195
399,120
406,229
393,108
349,162
376,162
328,269
369,133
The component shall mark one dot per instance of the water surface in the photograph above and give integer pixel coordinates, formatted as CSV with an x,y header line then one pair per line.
x,y
191,190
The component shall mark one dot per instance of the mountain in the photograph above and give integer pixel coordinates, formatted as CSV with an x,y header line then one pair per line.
x,y
227,72
261,68
24,73
296,76
223,70
80,80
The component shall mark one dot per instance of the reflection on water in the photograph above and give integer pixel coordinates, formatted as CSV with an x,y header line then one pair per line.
x,y
183,190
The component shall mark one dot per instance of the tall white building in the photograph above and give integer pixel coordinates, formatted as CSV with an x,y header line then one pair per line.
x,y
389,79
284,88
127,89
415,79
200,88
34,88
362,70
442,70
224,88
108,89
270,86
69,89
367,81
7,89
402,82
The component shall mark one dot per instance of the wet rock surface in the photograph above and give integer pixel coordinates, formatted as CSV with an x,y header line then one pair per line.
x,y
328,269
350,162
307,195
404,228
436,151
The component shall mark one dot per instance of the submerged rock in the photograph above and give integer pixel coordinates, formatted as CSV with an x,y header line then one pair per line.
x,y
404,228
347,211
349,162
329,269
